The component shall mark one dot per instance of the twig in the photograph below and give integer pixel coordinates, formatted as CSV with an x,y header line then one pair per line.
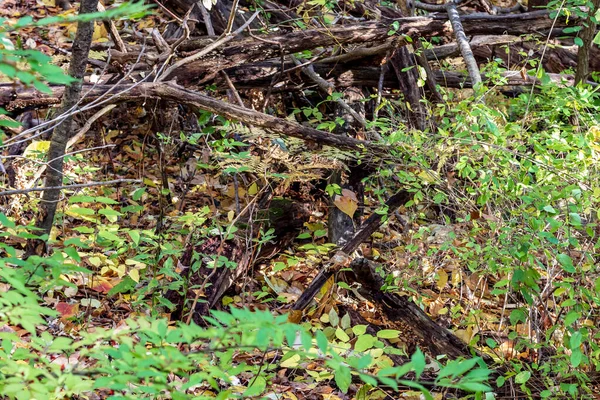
x,y
360,52
422,61
234,91
463,44
231,18
329,88
384,68
74,186
74,139
210,30
165,9
114,33
160,42
222,40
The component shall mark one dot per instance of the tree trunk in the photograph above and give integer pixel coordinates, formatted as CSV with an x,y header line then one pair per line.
x,y
64,130
587,36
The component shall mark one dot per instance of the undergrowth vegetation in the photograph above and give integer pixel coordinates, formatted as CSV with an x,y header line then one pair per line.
x,y
498,244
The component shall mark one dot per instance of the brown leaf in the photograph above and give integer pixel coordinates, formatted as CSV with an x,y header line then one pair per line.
x,y
67,310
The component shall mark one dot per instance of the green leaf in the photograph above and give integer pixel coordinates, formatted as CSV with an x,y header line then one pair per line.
x,y
522,377
517,315
341,335
566,262
5,221
361,329
388,334
364,342
82,211
463,366
474,387
571,317
575,340
418,361
125,286
135,236
73,253
257,386
578,41
343,378
576,358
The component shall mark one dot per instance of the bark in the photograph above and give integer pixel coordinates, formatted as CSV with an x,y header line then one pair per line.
x,y
177,94
64,131
369,227
407,74
259,75
587,36
414,323
463,44
240,51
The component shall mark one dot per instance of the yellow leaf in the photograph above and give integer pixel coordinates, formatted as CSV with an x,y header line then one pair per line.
x,y
135,275
121,270
93,303
327,286
429,176
253,189
100,32
291,362
231,191
35,148
442,279
227,300
346,204
97,55
95,261
230,215
149,182
456,278
135,263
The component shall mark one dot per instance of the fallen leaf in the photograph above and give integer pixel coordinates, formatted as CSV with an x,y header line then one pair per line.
x,y
346,204
67,310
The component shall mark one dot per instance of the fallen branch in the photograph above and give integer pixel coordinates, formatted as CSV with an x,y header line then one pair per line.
x,y
369,227
68,187
329,88
418,328
463,44
173,92
213,46
241,51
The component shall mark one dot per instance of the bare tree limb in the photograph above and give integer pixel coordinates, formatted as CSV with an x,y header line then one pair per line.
x,y
463,44
217,43
366,230
67,187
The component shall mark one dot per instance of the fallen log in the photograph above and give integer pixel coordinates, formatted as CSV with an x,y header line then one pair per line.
x,y
341,258
171,91
243,50
412,321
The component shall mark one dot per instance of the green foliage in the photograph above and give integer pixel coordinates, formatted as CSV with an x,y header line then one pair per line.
x,y
524,185
147,358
